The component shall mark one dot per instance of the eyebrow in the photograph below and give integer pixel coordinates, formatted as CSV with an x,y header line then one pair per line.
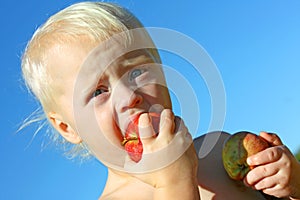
x,y
139,56
136,61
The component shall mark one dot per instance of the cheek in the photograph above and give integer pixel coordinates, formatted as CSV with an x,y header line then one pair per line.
x,y
109,127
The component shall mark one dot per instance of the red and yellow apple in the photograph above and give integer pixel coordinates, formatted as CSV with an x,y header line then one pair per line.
x,y
237,148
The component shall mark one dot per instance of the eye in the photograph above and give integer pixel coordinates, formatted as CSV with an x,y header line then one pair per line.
x,y
135,73
99,91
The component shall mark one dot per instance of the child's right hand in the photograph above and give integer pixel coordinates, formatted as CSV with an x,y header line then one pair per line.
x,y
176,180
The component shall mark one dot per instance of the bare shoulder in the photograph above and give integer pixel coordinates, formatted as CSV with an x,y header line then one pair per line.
x,y
213,180
210,142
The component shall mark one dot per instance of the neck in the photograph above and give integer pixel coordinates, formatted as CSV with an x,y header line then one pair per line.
x,y
120,184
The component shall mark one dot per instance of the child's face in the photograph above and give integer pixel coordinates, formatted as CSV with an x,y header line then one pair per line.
x,y
101,90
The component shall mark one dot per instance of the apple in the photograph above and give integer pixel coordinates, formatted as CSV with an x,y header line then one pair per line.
x,y
237,148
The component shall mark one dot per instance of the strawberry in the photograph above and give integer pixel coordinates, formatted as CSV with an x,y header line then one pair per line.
x,y
132,142
134,149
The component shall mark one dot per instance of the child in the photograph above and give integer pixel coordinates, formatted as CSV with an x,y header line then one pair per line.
x,y
95,69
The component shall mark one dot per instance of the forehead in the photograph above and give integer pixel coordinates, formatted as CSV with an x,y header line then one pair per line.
x,y
63,61
67,55
119,48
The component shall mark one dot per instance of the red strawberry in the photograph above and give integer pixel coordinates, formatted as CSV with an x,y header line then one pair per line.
x,y
132,142
134,149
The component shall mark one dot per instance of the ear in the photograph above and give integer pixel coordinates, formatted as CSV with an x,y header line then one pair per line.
x,y
64,128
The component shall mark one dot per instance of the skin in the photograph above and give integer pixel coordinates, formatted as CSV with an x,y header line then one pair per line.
x,y
109,109
208,181
277,171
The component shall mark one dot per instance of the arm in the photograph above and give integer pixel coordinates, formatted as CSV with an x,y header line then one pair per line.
x,y
277,171
178,182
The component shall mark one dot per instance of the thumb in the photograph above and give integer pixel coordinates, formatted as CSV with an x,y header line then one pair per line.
x,y
271,138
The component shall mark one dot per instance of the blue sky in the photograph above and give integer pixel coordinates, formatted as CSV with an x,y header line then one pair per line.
x,y
255,45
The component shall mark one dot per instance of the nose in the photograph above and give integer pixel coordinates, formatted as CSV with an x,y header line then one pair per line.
x,y
126,97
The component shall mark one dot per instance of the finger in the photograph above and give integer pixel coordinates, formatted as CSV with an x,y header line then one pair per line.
x,y
180,128
146,130
272,138
272,181
259,173
268,182
166,125
266,156
155,119
277,191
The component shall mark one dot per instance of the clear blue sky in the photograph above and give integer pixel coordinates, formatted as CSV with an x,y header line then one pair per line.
x,y
255,45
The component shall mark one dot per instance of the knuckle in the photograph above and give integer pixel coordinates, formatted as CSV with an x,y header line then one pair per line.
x,y
284,183
273,154
264,170
287,164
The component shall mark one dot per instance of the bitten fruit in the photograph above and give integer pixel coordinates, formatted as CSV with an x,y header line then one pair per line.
x,y
237,148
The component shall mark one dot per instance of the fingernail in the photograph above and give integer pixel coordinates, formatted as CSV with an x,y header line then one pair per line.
x,y
144,120
246,183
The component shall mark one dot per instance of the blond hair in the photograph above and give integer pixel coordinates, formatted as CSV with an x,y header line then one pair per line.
x,y
96,20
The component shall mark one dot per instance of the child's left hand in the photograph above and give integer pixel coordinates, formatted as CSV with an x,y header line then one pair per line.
x,y
277,171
